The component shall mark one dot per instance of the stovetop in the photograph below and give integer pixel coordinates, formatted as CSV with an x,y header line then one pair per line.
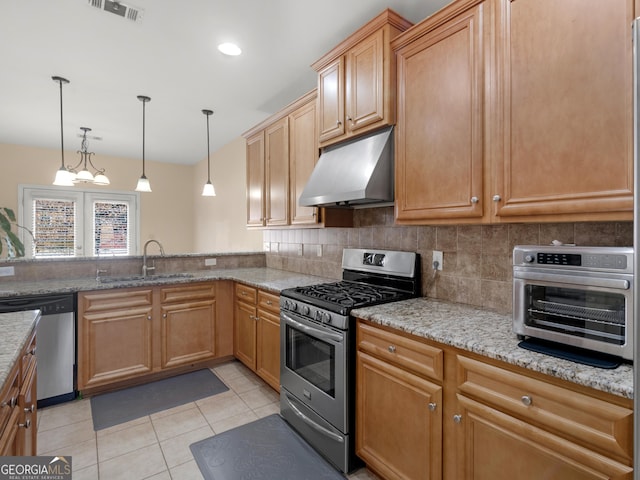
x,y
342,297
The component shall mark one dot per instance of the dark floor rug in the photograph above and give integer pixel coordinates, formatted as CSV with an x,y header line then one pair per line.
x,y
113,408
266,449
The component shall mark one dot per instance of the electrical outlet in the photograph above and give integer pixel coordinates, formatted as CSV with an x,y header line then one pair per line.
x,y
439,258
7,271
210,262
319,251
300,249
266,246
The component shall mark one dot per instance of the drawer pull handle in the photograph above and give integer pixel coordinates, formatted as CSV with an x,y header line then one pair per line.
x,y
392,349
269,302
32,351
31,409
527,400
457,418
13,401
26,424
432,406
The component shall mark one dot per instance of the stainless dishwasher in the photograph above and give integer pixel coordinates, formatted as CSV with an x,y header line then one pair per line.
x,y
55,344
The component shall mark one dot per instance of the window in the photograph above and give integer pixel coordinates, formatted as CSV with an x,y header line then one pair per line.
x,y
76,223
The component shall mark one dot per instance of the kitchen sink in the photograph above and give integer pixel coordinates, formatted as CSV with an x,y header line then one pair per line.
x,y
140,278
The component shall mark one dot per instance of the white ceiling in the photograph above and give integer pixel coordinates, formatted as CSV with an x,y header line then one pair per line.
x,y
170,56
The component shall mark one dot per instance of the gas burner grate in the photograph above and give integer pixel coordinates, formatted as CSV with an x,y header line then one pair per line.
x,y
348,294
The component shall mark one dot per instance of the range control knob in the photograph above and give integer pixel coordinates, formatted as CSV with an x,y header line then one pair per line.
x,y
305,309
326,318
529,258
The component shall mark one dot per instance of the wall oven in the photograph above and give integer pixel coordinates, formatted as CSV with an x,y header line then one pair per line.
x,y
576,296
317,372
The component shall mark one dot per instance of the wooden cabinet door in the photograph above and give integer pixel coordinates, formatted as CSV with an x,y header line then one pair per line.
x,y
268,351
564,108
28,432
497,446
277,173
115,344
255,180
439,134
10,413
331,100
244,334
303,155
397,432
188,333
365,83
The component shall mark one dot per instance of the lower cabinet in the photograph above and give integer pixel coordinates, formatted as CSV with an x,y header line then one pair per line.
x,y
398,406
18,405
257,332
124,334
426,411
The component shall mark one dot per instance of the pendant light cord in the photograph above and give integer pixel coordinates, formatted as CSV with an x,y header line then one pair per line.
x,y
144,99
61,80
207,113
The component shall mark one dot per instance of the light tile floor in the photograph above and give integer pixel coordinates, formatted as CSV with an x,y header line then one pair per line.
x,y
156,446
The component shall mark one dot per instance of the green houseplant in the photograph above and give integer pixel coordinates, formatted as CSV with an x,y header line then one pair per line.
x,y
15,247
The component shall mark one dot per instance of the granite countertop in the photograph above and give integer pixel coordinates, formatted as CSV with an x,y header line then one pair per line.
x,y
489,334
16,328
266,278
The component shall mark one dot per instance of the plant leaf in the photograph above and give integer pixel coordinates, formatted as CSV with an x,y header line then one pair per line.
x,y
5,224
10,213
17,244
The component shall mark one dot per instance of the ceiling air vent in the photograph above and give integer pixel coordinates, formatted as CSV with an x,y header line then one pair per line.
x,y
123,10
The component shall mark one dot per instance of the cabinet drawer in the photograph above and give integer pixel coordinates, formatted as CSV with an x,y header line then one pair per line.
x,y
269,301
585,420
114,299
246,294
401,351
28,356
187,293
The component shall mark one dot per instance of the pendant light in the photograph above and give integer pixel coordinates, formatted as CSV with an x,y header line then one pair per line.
x,y
143,182
64,177
67,176
208,190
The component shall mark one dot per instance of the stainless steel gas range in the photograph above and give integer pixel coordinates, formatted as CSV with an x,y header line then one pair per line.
x,y
317,371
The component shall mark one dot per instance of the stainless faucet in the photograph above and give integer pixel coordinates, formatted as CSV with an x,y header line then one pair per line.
x,y
146,269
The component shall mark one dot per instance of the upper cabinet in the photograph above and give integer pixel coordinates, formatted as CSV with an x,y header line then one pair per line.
x,y
512,111
356,81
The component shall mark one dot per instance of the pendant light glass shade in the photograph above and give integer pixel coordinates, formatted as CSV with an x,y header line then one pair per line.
x,y
64,177
143,182
208,190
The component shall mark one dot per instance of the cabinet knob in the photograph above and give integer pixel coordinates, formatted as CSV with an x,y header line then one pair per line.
x,y
457,418
474,200
526,400
392,349
31,409
26,424
164,315
350,119
497,198
148,317
269,302
432,407
338,123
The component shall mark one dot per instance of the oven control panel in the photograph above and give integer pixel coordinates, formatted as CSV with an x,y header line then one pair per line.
x,y
617,259
315,314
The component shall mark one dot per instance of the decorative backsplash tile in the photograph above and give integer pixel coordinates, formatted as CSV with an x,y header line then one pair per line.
x,y
477,258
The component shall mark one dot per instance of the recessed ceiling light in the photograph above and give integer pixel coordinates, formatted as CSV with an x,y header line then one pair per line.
x,y
229,49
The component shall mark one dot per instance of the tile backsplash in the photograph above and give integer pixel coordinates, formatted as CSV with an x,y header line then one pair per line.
x,y
477,258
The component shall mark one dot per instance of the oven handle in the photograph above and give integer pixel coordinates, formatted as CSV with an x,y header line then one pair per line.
x,y
575,280
316,332
311,423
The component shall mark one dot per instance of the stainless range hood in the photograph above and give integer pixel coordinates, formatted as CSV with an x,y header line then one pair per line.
x,y
358,172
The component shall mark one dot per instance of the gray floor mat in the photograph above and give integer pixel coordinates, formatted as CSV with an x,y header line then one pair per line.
x,y
124,405
266,449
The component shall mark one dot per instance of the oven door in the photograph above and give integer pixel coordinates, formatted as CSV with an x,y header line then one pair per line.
x,y
587,310
313,367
